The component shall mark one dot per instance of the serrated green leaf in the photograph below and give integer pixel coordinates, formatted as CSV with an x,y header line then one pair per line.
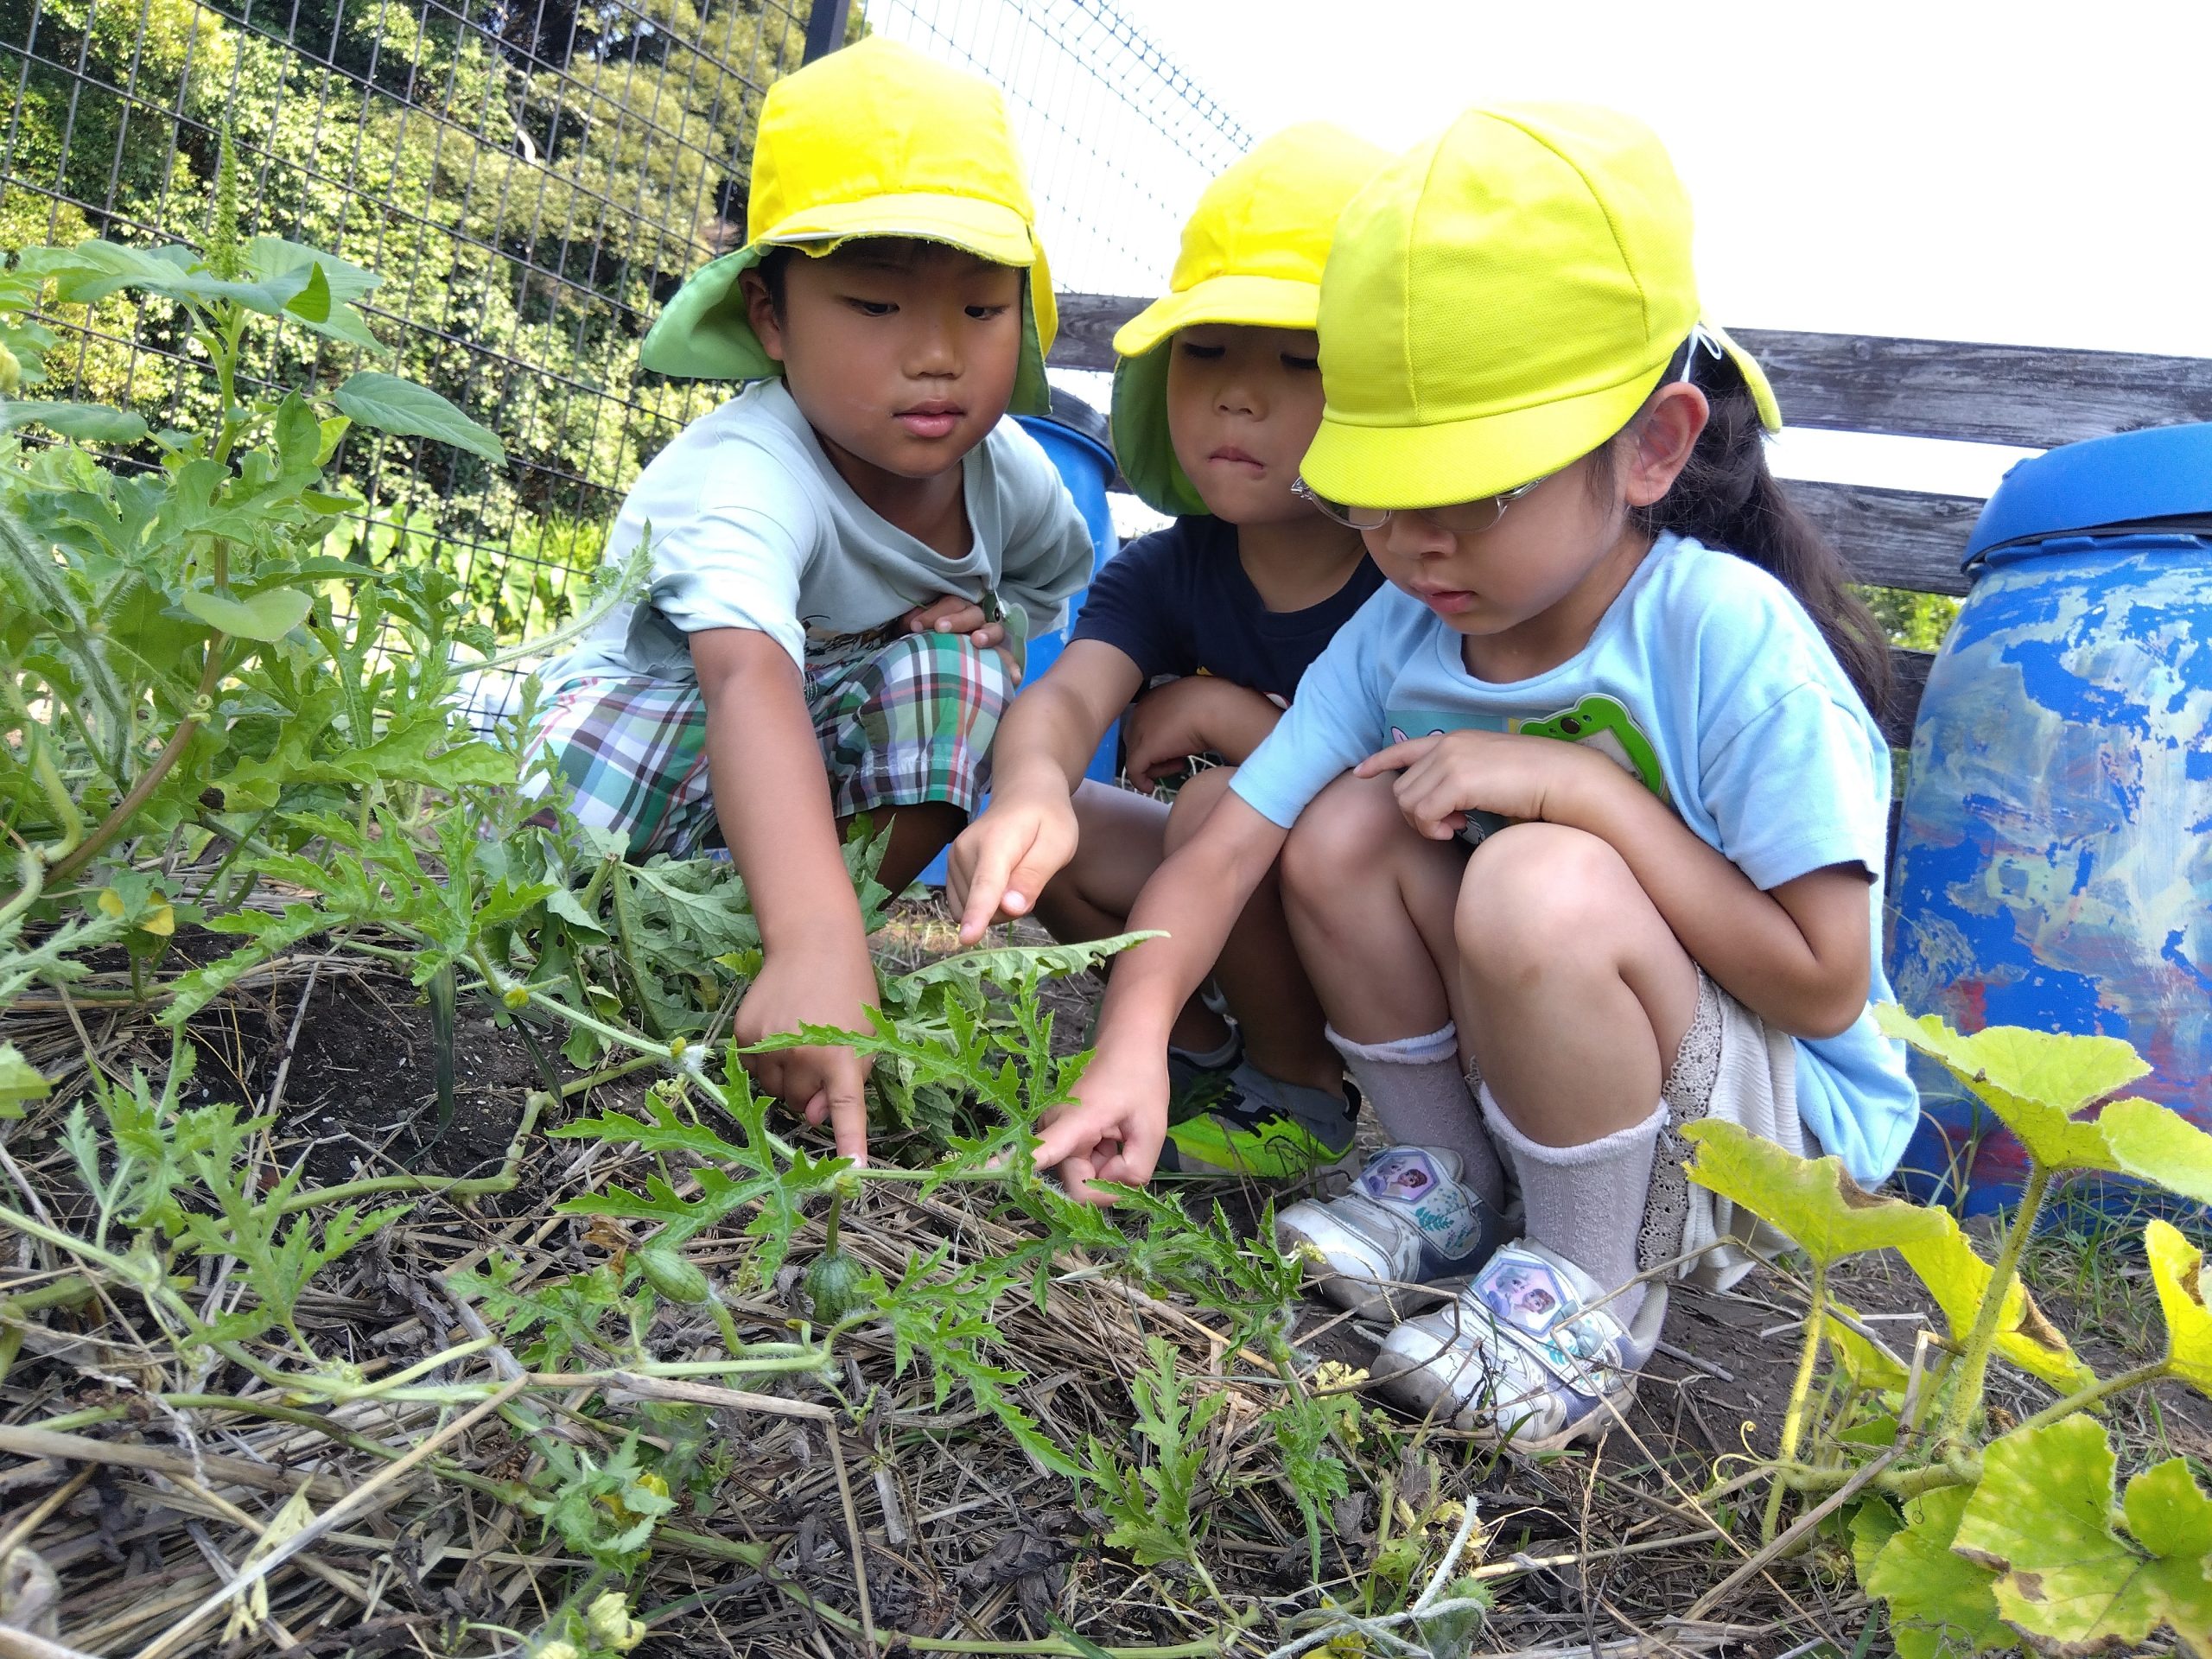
x,y
2154,1144
391,404
1940,1603
267,616
1872,1522
2042,1519
2034,1081
1959,1279
1826,1213
2177,1270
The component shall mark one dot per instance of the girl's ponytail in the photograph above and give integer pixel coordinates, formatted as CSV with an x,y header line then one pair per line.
x,y
1727,498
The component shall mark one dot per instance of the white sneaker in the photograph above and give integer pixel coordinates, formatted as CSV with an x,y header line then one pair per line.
x,y
1524,1355
1407,1221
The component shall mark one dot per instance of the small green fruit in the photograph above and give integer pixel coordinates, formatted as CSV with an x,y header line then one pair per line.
x,y
676,1279
833,1285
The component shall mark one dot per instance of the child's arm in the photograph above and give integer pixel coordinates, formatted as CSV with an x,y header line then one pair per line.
x,y
1113,1129
1195,714
771,794
1798,956
1027,834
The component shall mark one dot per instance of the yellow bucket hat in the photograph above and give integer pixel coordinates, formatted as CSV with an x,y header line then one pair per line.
x,y
1252,254
1498,302
874,140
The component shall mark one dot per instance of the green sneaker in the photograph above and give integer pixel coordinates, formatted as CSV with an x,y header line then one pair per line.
x,y
1241,1121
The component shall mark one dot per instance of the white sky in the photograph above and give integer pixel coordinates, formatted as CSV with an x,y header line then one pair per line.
x,y
2029,173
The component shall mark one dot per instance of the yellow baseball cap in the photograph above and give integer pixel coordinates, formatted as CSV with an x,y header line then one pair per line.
x,y
874,140
1498,302
1252,254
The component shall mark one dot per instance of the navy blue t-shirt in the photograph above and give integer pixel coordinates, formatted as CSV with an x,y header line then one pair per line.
x,y
1178,602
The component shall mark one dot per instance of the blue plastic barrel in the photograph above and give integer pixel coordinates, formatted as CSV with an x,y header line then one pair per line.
x,y
1077,439
2054,859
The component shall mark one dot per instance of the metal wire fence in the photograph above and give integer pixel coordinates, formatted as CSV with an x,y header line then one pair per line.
x,y
532,179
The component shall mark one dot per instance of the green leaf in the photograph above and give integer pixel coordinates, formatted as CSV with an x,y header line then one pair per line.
x,y
1869,1367
267,616
87,422
1940,1604
391,404
1959,1279
2034,1081
2042,1519
1824,1211
2154,1144
312,303
19,1081
2177,1270
343,285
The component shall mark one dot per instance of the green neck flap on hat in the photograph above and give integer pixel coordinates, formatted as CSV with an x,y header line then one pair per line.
x,y
1141,440
704,334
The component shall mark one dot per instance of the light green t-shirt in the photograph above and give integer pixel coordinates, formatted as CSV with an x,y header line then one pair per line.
x,y
752,528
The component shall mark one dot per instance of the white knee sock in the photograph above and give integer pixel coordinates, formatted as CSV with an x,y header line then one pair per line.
x,y
1421,1100
1587,1202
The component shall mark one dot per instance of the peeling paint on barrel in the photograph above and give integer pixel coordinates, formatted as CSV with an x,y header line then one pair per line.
x,y
2054,867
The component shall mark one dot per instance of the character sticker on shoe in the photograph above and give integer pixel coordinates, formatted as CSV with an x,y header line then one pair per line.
x,y
1526,1294
1409,1177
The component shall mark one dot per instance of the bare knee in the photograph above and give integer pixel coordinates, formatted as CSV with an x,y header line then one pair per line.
x,y
1340,838
1537,896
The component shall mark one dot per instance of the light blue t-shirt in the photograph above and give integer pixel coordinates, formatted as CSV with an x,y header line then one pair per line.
x,y
1707,681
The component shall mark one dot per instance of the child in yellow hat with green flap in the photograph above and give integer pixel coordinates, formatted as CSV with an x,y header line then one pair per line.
x,y
1216,395
846,557
1580,824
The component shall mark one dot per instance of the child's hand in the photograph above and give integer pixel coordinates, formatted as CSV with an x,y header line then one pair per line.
x,y
1444,777
953,615
817,988
1002,860
1193,716
1112,1130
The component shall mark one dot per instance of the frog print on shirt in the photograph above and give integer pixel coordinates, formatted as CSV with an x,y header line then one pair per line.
x,y
1600,722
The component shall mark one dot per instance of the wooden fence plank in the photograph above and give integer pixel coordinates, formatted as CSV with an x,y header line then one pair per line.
x,y
1908,683
2032,396
1894,539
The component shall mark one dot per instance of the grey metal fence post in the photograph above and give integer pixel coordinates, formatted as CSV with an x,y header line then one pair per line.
x,y
825,28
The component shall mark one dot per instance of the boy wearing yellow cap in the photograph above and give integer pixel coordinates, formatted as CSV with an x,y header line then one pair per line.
x,y
1216,397
1590,803
848,556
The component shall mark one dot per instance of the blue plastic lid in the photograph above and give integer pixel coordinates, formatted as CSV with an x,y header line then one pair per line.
x,y
1079,421
2163,472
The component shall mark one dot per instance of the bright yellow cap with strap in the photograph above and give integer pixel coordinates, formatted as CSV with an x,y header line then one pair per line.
x,y
1253,254
874,140
1498,302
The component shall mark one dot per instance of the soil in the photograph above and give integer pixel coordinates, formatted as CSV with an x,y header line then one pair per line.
x,y
362,1085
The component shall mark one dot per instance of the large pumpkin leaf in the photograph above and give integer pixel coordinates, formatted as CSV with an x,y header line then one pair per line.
x,y
2034,1081
2178,1269
1826,1213
1959,1279
1940,1603
2155,1144
2042,1519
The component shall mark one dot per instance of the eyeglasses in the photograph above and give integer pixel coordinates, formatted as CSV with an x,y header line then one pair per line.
x,y
1461,519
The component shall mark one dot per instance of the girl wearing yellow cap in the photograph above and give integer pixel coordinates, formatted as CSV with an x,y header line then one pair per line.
x,y
1216,398
1591,805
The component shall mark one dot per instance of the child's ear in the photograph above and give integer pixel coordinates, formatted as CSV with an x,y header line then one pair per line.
x,y
1660,443
760,312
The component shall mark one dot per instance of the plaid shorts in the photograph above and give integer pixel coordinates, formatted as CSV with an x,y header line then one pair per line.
x,y
901,720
